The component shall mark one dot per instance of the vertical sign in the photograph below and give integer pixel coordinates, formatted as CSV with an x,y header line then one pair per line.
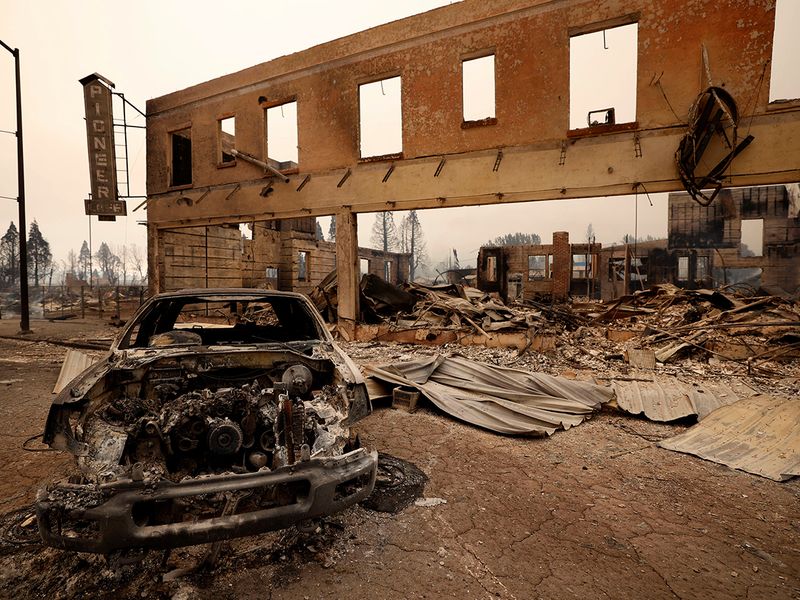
x,y
100,136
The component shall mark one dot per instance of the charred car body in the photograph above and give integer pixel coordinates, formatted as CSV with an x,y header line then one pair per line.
x,y
217,414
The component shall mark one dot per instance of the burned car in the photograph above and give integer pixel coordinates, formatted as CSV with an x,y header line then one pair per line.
x,y
216,414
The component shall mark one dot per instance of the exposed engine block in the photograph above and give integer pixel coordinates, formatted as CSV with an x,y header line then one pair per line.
x,y
238,428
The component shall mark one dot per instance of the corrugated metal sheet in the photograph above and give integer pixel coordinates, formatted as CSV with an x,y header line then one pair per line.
x,y
759,435
74,364
675,400
498,398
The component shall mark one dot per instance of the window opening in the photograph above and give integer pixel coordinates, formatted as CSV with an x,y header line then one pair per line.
x,y
246,230
616,269
581,266
282,146
387,271
515,287
549,266
181,157
683,268
302,265
752,240
227,139
537,267
491,268
272,273
602,77
638,272
364,266
380,118
784,82
477,84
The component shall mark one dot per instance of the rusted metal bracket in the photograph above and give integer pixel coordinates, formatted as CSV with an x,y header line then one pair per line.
x,y
562,159
303,183
200,199
440,167
259,163
637,145
233,191
388,173
344,178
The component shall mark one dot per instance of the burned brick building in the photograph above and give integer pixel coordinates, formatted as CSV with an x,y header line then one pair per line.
x,y
280,255
528,271
212,163
745,236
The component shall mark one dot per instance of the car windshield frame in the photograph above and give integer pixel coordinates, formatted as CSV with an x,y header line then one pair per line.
x,y
160,315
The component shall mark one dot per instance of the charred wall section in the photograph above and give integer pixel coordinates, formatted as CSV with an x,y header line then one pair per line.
x,y
536,271
273,256
748,234
200,257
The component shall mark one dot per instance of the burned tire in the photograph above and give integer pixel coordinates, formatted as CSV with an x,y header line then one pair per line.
x,y
18,529
398,484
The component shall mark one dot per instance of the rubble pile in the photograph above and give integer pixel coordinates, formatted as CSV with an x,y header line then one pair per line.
x,y
443,307
459,307
664,324
674,323
668,354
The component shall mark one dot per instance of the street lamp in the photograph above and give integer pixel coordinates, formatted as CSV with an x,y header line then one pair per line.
x,y
24,321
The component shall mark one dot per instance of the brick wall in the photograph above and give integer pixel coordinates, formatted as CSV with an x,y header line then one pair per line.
x,y
399,270
720,226
198,257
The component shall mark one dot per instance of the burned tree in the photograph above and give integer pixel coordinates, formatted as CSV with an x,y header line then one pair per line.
x,y
39,255
384,232
9,256
412,241
332,229
84,261
516,239
108,263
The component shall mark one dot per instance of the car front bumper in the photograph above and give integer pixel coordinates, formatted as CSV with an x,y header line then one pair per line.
x,y
310,489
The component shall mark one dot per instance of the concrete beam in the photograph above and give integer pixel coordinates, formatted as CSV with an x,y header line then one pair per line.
x,y
347,271
602,165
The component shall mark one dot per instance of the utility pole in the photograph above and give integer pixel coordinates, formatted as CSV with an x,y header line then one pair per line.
x,y
24,322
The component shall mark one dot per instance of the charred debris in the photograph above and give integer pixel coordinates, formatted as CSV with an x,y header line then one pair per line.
x,y
746,326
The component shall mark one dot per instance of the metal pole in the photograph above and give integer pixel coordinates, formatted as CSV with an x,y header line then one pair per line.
x,y
260,163
24,322
125,134
91,272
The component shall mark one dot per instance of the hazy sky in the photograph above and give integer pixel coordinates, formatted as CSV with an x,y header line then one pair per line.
x,y
151,48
